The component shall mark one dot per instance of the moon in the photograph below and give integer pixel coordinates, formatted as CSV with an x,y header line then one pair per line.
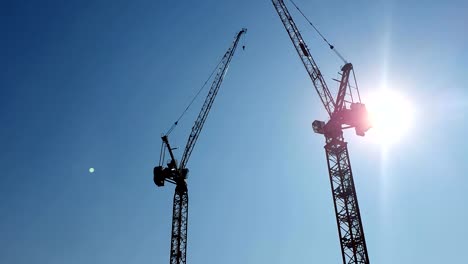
x,y
91,170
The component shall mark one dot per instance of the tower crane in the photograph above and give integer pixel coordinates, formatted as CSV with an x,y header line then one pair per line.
x,y
346,111
177,173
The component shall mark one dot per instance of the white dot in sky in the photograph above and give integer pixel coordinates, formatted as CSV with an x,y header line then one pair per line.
x,y
91,170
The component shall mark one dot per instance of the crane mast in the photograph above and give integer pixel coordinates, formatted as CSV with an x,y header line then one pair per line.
x,y
177,173
344,113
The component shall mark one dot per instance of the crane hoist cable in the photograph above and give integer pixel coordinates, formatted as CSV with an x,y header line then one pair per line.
x,y
193,100
316,29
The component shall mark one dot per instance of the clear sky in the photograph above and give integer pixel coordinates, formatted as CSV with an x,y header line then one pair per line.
x,y
95,83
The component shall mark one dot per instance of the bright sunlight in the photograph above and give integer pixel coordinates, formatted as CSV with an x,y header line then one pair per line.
x,y
391,116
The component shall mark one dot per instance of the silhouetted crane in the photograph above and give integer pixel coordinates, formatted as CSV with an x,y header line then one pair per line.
x,y
177,173
346,111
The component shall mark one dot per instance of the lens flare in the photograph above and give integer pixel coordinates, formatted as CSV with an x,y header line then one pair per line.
x,y
391,116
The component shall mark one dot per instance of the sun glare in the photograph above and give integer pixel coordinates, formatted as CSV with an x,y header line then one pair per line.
x,y
391,116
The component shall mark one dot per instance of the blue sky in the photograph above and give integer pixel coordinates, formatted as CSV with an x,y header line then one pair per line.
x,y
95,83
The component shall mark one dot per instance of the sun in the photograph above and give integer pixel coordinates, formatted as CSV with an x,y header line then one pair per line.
x,y
391,115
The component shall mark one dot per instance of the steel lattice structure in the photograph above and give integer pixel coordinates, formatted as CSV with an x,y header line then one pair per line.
x,y
179,225
348,217
345,112
304,54
177,173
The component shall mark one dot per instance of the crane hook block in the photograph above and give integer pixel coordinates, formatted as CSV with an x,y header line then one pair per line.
x,y
158,176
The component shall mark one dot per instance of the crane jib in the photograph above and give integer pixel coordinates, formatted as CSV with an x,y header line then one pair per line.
x,y
200,121
305,56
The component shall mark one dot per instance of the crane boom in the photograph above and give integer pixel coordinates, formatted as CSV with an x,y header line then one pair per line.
x,y
304,54
197,127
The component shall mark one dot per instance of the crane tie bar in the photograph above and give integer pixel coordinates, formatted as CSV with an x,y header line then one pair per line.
x,y
324,39
193,100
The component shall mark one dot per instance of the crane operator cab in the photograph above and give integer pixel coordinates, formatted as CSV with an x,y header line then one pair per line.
x,y
160,174
356,117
